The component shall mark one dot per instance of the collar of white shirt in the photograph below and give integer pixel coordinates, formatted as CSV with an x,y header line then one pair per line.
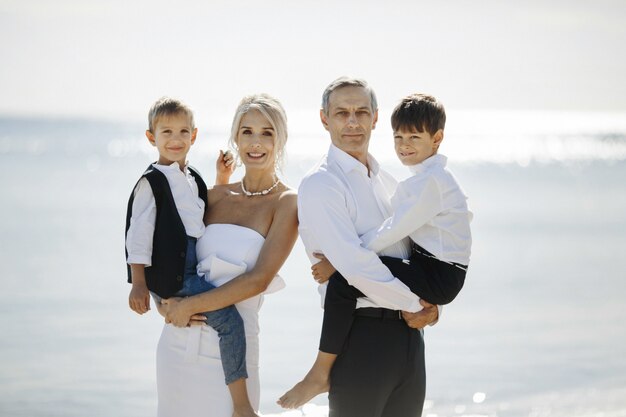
x,y
435,160
349,163
173,166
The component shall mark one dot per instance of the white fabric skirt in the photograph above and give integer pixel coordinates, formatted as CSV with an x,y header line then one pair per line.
x,y
190,378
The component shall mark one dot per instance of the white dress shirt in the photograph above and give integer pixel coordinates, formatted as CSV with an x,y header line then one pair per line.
x,y
190,208
431,208
338,202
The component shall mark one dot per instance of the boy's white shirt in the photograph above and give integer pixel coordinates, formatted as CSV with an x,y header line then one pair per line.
x,y
432,210
190,208
331,222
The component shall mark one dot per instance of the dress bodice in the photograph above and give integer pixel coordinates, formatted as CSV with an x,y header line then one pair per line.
x,y
228,250
190,377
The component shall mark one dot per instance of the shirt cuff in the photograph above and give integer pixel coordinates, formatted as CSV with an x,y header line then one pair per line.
x,y
139,259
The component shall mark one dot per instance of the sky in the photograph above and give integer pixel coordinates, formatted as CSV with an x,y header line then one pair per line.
x,y
79,58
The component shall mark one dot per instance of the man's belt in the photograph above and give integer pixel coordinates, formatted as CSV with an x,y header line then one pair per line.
x,y
379,313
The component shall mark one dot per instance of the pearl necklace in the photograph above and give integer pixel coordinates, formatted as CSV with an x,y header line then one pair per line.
x,y
262,192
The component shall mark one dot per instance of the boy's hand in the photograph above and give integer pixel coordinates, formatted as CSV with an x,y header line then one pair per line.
x,y
224,167
139,299
422,318
322,270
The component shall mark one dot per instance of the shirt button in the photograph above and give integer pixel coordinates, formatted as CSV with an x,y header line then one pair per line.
x,y
183,254
179,278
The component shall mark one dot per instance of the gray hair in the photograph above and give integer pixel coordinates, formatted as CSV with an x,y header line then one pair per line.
x,y
273,111
347,82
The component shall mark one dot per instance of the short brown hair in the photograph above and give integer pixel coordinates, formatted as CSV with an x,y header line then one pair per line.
x,y
166,106
420,112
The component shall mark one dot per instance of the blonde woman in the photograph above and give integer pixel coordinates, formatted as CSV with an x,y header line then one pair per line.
x,y
251,227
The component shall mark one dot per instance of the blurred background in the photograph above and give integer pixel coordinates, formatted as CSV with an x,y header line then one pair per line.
x,y
536,135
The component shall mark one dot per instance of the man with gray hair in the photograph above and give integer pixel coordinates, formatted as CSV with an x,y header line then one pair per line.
x,y
380,369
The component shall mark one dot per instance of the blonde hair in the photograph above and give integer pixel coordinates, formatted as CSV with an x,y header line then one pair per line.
x,y
167,106
274,112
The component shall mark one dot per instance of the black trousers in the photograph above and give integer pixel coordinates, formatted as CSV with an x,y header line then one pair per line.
x,y
432,280
381,371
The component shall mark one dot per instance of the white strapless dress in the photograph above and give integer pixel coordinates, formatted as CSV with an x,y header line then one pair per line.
x,y
190,379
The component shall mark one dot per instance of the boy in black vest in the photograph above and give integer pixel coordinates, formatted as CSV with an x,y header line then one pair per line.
x,y
164,219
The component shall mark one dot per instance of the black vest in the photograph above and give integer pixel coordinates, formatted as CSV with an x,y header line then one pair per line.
x,y
169,243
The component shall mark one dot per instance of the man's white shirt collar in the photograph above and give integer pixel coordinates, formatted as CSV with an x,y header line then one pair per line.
x,y
348,163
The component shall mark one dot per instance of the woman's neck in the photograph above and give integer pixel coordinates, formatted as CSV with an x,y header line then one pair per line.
x,y
259,180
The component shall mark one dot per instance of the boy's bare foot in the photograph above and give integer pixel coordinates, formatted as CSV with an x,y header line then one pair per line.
x,y
245,413
304,391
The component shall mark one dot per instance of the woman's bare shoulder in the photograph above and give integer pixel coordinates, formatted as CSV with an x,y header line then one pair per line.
x,y
288,197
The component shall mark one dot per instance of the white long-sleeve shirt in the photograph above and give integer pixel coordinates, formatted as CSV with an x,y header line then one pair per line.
x,y
190,208
431,209
338,202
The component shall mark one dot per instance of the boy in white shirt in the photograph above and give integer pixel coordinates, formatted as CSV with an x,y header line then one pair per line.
x,y
431,209
165,217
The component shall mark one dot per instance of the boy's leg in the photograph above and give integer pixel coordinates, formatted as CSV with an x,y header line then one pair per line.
x,y
232,338
316,381
241,402
432,280
229,326
339,306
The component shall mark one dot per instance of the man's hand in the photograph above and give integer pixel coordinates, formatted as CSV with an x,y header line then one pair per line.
x,y
422,318
139,299
322,270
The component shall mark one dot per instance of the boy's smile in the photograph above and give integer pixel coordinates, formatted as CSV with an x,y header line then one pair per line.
x,y
173,136
413,147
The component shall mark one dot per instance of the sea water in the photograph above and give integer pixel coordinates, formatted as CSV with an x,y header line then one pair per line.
x,y
538,329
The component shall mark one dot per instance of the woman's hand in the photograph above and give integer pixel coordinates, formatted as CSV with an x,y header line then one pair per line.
x,y
196,319
322,270
175,312
422,318
224,167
